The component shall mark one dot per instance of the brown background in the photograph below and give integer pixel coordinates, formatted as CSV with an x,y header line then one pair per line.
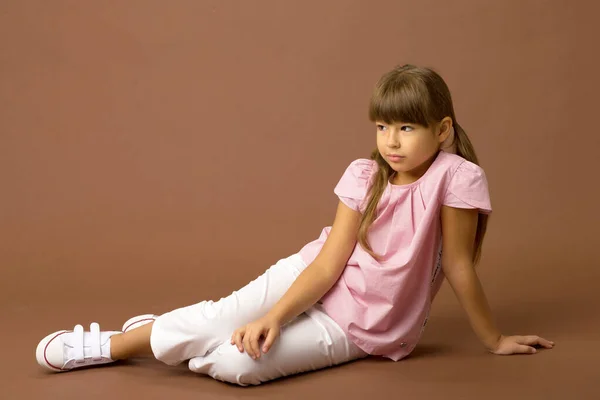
x,y
154,154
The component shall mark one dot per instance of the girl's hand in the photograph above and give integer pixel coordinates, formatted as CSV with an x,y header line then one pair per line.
x,y
247,337
520,345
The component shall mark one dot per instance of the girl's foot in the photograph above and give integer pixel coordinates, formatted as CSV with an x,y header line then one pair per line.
x,y
66,350
136,322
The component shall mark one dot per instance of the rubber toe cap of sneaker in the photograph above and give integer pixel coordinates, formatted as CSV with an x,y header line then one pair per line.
x,y
50,352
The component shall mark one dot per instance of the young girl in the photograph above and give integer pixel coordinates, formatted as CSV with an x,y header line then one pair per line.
x,y
364,287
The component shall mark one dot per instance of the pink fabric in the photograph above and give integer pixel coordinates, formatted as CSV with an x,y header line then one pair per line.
x,y
383,306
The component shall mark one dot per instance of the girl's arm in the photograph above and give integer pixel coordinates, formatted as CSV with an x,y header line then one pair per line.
x,y
318,277
458,233
316,280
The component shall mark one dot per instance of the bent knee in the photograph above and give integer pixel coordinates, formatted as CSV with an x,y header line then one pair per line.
x,y
227,364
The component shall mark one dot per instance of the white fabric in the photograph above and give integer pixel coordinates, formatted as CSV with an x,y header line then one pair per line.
x,y
78,345
201,333
95,341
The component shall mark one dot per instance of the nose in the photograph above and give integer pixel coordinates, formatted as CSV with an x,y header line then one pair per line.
x,y
393,139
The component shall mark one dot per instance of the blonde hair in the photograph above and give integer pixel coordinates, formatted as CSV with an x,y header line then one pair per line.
x,y
417,95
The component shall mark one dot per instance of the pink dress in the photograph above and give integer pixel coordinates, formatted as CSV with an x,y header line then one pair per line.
x,y
383,305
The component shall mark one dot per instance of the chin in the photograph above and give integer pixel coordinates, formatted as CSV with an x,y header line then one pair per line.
x,y
404,170
399,169
399,166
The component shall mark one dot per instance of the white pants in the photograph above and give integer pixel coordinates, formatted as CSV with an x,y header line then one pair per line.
x,y
201,333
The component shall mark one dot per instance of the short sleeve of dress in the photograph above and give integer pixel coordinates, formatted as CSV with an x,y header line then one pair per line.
x,y
468,188
352,187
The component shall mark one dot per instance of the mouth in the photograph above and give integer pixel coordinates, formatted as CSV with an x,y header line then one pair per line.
x,y
395,157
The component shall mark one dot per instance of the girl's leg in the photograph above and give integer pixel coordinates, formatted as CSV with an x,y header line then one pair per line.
x,y
135,342
195,330
175,336
310,342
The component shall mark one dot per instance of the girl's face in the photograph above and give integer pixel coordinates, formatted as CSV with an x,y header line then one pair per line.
x,y
409,148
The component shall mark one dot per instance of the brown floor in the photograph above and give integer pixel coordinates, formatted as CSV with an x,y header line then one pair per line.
x,y
448,364
121,193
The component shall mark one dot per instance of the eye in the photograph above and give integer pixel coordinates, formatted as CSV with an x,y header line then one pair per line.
x,y
406,128
381,127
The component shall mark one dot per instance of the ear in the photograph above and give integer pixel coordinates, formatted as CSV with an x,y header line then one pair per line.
x,y
445,130
446,136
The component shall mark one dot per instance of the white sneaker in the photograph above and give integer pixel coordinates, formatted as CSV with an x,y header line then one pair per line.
x,y
65,350
136,322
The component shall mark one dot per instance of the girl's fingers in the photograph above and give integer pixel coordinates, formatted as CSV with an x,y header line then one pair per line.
x,y
254,344
530,339
245,344
533,340
523,349
248,344
545,343
269,340
238,337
